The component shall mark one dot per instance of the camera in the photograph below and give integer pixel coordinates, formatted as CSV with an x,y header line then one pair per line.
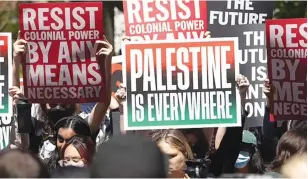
x,y
198,168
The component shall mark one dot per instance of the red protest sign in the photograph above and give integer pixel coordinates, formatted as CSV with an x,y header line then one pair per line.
x,y
287,67
160,20
61,65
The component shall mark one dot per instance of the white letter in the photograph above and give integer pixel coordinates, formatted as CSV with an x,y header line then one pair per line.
x,y
276,36
28,18
42,19
78,18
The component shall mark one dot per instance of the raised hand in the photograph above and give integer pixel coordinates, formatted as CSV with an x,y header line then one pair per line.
x,y
242,84
105,48
16,93
121,94
207,34
268,90
19,47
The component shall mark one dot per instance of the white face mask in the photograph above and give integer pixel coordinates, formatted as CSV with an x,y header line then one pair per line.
x,y
64,163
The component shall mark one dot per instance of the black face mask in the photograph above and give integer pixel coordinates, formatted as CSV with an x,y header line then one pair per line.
x,y
58,112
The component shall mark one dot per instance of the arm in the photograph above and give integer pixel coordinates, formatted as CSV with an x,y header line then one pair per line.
x,y
270,140
242,85
97,114
18,54
228,140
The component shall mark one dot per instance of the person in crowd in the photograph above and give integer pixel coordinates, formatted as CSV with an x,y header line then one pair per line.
x,y
225,142
293,142
296,167
129,156
65,129
273,130
49,114
197,142
17,163
78,152
249,159
174,144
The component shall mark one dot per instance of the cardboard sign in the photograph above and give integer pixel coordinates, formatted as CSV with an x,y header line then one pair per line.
x,y
287,67
181,84
6,108
253,64
62,65
116,80
244,19
160,20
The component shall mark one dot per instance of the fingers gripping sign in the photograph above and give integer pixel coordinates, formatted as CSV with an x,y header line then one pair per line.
x,y
20,47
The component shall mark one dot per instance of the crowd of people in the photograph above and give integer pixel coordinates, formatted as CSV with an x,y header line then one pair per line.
x,y
59,140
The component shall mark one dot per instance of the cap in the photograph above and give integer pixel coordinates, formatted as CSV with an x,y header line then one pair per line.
x,y
249,138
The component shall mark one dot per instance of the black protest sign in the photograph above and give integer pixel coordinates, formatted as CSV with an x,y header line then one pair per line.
x,y
227,13
253,64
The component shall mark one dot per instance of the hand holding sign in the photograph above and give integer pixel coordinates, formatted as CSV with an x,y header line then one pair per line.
x,y
207,34
104,51
268,90
242,84
106,48
121,94
16,93
20,47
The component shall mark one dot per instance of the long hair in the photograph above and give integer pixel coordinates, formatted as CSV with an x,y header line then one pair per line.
x,y
79,125
174,138
256,164
291,143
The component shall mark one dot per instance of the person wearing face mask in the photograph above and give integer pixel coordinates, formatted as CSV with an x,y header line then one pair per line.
x,y
174,144
65,130
77,152
249,159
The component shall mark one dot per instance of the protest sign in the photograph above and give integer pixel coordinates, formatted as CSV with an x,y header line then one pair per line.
x,y
5,82
287,67
160,20
227,13
180,84
116,80
61,66
240,18
253,64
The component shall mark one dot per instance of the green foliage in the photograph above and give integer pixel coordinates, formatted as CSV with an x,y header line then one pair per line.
x,y
290,9
9,21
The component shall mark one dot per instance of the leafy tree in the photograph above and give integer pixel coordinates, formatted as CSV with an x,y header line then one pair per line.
x,y
290,9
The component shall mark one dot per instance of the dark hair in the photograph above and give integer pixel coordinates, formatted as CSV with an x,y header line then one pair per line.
x,y
256,164
71,172
57,112
291,143
84,145
79,125
17,163
202,144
